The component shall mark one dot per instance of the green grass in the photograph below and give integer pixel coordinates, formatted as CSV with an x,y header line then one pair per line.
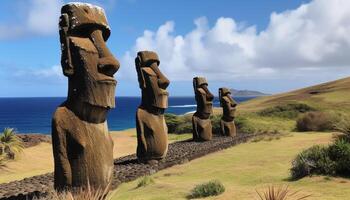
x,y
143,182
179,137
211,188
243,170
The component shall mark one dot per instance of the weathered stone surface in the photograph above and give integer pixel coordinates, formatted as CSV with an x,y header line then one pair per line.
x,y
202,128
152,132
126,168
82,146
228,105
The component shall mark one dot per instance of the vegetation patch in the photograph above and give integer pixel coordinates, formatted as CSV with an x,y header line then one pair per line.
x,y
326,160
315,121
178,124
144,181
280,193
10,145
289,111
211,188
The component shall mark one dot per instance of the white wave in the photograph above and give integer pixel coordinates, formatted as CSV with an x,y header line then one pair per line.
x,y
191,112
184,106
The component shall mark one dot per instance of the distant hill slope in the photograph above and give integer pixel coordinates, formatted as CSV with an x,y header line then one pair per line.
x,y
334,95
247,93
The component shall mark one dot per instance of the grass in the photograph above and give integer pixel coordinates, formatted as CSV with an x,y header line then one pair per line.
x,y
242,169
280,193
211,188
144,181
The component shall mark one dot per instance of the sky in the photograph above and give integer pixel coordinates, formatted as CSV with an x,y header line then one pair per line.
x,y
270,46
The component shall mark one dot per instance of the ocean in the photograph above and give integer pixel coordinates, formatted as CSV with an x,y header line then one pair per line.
x,y
33,115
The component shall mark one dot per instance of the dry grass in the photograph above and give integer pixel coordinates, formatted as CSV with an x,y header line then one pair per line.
x,y
87,193
280,193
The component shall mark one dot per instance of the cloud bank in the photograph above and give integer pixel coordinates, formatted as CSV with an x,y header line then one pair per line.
x,y
312,40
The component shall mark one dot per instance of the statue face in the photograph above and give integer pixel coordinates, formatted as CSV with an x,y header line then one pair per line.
x,y
152,82
204,97
86,59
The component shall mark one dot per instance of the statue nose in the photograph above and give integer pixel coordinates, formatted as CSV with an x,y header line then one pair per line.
x,y
163,82
108,65
210,96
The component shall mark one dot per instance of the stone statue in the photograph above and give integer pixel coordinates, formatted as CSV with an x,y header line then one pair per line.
x,y
202,128
152,131
228,105
82,146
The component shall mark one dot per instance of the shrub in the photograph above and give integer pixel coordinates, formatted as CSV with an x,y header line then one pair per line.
x,y
343,126
290,111
314,160
211,188
146,180
280,193
215,122
243,125
178,124
10,144
339,152
314,121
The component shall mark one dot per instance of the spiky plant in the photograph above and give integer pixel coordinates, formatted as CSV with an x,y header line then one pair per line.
x,y
10,144
280,193
87,193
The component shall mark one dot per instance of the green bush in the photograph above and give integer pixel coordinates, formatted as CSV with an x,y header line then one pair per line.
x,y
339,152
211,188
178,124
343,125
315,121
243,125
10,144
314,160
146,180
290,111
215,122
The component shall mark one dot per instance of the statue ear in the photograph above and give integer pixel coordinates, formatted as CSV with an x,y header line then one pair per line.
x,y
66,59
140,76
220,97
195,84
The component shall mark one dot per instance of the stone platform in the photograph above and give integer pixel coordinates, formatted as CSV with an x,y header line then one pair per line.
x,y
126,168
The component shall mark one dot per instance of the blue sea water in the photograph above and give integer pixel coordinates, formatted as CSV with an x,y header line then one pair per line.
x,y
33,115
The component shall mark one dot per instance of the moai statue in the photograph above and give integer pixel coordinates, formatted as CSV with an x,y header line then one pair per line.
x,y
82,146
152,131
228,105
202,128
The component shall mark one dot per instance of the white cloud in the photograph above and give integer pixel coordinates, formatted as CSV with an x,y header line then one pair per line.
x,y
40,18
310,40
43,16
52,74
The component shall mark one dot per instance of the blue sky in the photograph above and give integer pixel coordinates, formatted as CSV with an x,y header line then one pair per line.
x,y
271,45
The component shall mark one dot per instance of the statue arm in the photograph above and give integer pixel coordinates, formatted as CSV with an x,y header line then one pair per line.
x,y
63,174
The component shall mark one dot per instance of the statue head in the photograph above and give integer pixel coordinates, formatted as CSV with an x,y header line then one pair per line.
x,y
204,97
85,59
152,81
227,103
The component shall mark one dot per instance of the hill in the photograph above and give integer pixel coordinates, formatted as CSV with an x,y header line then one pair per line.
x,y
334,95
247,93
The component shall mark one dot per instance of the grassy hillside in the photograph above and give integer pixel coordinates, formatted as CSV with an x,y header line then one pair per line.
x,y
333,95
332,98
242,169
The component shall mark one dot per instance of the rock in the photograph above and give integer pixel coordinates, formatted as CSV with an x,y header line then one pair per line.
x,y
228,105
82,145
152,131
202,128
